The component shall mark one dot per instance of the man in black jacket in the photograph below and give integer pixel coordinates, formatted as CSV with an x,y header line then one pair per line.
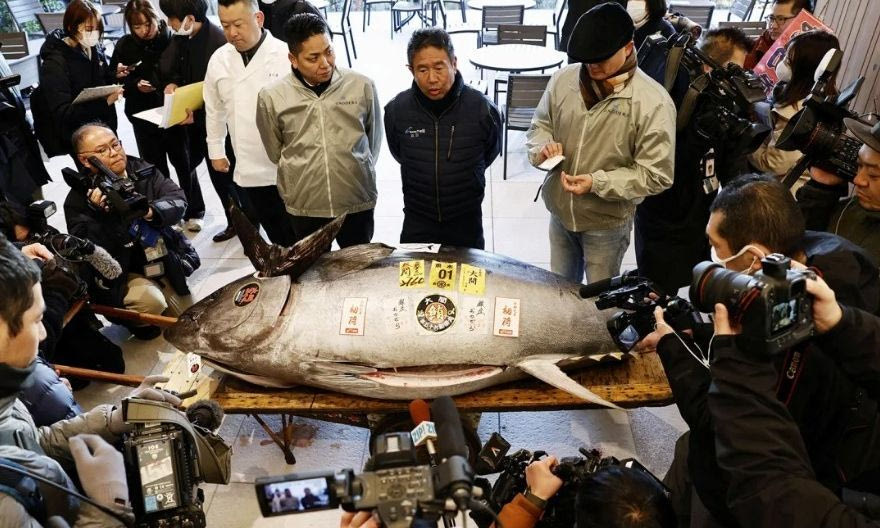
x,y
155,259
185,61
444,134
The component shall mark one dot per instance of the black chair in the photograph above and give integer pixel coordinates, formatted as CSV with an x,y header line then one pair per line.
x,y
368,11
410,9
741,9
344,29
701,15
752,30
462,4
557,19
531,35
524,92
453,29
494,16
14,45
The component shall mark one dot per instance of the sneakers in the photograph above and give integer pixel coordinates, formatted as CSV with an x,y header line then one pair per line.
x,y
194,224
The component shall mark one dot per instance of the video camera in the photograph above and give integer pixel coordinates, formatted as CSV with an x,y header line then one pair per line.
x,y
772,305
166,456
404,491
573,471
123,199
718,103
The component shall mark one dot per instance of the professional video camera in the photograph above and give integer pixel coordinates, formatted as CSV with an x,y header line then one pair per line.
x,y
573,471
718,104
123,199
167,455
402,490
818,130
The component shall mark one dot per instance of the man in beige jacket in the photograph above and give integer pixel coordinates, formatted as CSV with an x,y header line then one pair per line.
x,y
616,128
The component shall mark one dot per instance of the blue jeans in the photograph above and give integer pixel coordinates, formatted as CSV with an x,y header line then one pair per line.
x,y
600,251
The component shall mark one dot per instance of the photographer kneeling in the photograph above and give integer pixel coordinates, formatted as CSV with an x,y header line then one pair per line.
x,y
761,448
54,451
136,230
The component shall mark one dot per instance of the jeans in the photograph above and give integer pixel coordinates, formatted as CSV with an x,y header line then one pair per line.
x,y
599,251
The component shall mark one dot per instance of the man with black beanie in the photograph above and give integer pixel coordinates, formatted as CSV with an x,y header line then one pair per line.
x,y
615,127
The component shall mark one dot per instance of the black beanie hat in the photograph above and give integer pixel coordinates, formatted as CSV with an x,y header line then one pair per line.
x,y
599,33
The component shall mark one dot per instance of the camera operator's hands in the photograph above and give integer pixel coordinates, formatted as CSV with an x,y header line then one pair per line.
x,y
826,312
361,519
577,184
549,150
649,343
540,478
37,251
97,198
145,391
722,322
824,177
101,470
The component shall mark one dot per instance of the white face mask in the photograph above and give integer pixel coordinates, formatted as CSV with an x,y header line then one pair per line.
x,y
638,11
89,39
184,31
716,259
268,2
783,72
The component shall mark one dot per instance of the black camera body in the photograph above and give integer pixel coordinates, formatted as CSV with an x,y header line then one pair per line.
x,y
818,129
772,305
122,197
37,217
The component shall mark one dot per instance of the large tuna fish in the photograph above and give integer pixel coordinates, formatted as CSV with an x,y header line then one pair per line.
x,y
383,322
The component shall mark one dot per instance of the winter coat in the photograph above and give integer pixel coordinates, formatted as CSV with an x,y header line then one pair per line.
x,y
130,50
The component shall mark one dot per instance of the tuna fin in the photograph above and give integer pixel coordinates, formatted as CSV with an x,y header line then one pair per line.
x,y
272,260
547,371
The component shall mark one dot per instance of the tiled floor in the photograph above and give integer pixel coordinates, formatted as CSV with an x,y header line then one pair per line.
x,y
515,225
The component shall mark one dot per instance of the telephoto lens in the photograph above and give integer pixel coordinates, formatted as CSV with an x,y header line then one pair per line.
x,y
714,284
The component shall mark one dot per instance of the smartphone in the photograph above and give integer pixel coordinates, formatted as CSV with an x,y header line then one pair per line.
x,y
296,493
133,66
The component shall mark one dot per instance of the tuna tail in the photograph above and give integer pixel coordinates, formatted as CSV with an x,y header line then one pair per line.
x,y
547,371
272,260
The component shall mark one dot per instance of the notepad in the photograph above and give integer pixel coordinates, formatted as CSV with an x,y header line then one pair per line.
x,y
174,110
96,92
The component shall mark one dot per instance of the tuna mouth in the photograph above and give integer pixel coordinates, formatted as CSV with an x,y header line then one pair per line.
x,y
432,376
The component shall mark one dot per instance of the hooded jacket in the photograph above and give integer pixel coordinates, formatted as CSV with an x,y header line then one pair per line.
x,y
130,50
67,71
325,147
625,141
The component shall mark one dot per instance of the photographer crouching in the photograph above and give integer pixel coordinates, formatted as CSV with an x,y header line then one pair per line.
x,y
128,207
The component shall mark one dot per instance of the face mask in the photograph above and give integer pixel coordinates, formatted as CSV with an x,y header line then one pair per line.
x,y
184,31
268,2
716,259
89,39
638,10
783,72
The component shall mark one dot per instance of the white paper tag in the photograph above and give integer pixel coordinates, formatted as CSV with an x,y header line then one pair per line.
x,y
397,312
354,315
474,315
193,364
506,317
419,247
551,163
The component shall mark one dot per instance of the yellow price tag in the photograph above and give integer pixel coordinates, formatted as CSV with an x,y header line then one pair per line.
x,y
443,275
412,274
472,280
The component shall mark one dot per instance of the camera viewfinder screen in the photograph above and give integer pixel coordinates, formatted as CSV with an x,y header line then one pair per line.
x,y
783,315
298,495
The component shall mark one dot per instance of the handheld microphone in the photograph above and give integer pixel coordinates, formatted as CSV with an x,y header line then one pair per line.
x,y
425,433
455,473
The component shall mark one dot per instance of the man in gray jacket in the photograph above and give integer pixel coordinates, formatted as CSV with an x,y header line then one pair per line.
x,y
322,126
616,128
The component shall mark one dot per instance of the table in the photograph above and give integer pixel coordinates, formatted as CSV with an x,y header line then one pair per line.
x,y
516,58
638,381
478,4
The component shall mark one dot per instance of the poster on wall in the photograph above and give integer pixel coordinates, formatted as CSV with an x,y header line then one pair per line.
x,y
766,68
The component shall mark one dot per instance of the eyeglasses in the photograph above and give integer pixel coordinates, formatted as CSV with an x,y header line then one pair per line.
x,y
778,20
103,150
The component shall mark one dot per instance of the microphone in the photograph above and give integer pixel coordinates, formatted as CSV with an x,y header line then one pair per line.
x,y
593,289
77,249
425,433
205,413
103,263
455,473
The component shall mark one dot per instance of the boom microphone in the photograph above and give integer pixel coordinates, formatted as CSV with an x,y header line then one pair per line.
x,y
595,288
205,413
77,249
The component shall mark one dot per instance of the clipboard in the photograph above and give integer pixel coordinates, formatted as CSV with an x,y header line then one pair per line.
x,y
96,92
174,110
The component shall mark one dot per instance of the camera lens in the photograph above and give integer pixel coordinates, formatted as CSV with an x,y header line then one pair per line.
x,y
713,284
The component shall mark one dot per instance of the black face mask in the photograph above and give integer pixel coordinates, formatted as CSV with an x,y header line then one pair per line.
x,y
13,380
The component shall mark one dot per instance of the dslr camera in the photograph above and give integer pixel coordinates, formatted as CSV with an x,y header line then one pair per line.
x,y
124,201
818,129
166,457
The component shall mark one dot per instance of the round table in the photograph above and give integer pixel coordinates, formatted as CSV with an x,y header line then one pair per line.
x,y
516,57
478,4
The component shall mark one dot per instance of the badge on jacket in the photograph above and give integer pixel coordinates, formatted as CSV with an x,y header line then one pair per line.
x,y
707,169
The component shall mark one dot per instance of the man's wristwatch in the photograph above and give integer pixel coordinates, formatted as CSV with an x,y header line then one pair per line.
x,y
534,499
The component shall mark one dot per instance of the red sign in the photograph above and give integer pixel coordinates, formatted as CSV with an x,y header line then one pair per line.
x,y
766,69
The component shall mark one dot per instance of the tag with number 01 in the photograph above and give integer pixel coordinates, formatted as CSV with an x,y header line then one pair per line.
x,y
443,275
472,280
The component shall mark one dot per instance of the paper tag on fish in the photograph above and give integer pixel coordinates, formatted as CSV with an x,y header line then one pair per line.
x,y
506,317
474,316
397,312
411,274
472,280
354,313
418,247
193,364
443,275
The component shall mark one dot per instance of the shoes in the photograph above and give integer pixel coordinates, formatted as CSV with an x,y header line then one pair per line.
x,y
226,234
145,333
194,224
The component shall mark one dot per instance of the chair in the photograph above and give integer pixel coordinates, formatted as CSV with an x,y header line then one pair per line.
x,y
24,13
14,45
524,92
494,16
742,9
114,23
368,5
344,29
752,30
531,35
411,9
50,21
558,18
462,4
701,15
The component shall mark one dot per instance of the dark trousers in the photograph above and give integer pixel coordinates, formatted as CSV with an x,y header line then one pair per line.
x,y
156,146
198,148
357,228
264,207
464,231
